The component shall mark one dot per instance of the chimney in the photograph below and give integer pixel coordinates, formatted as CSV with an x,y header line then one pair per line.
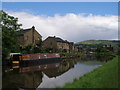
x,y
33,27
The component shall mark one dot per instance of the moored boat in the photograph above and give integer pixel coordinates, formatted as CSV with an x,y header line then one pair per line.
x,y
36,58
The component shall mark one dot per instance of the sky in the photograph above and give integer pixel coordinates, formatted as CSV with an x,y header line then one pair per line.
x,y
72,21
60,0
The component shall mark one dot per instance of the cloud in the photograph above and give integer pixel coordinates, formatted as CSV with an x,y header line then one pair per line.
x,y
72,27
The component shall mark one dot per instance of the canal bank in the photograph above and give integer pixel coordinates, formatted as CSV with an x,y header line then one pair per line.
x,y
102,77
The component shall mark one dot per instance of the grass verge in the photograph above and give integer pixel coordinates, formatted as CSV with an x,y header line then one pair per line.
x,y
102,77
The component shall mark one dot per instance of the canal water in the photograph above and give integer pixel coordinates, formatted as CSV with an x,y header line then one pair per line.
x,y
47,75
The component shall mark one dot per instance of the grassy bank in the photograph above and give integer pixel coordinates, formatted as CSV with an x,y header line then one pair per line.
x,y
102,77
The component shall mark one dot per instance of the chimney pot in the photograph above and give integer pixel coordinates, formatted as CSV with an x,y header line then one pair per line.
x,y
33,27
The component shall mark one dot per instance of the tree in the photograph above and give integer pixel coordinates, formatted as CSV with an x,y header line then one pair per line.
x,y
10,26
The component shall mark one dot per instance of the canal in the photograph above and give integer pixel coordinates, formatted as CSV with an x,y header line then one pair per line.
x,y
47,75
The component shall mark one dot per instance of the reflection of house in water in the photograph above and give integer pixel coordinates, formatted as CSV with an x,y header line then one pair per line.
x,y
22,80
63,67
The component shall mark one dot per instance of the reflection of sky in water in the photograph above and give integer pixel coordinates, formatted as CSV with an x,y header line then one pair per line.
x,y
69,76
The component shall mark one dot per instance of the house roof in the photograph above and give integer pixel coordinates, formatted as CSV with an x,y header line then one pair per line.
x,y
21,32
26,30
57,39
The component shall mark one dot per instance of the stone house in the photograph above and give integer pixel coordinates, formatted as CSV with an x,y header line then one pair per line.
x,y
57,44
71,46
29,37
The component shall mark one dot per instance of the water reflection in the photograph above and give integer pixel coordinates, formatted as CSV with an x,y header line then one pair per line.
x,y
64,74
47,75
25,77
22,80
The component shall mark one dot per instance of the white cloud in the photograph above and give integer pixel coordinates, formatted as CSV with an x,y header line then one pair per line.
x,y
72,27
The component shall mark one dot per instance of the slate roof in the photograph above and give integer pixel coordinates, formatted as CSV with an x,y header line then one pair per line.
x,y
59,39
21,32
26,30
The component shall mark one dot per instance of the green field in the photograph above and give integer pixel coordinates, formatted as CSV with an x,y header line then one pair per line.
x,y
105,76
97,42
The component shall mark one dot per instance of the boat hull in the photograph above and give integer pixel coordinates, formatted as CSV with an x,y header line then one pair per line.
x,y
35,59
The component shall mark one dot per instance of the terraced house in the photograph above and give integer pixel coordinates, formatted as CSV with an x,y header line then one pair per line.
x,y
29,37
57,44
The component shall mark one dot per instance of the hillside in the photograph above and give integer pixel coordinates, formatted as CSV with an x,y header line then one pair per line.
x,y
95,42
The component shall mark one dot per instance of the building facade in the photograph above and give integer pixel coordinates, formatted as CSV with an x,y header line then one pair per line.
x,y
57,44
29,37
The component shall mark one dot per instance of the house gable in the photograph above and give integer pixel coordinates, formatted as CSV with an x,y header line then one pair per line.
x,y
30,37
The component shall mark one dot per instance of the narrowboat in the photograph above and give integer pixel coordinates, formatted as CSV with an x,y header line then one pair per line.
x,y
34,59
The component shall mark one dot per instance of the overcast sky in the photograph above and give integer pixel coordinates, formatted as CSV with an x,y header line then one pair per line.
x,y
70,21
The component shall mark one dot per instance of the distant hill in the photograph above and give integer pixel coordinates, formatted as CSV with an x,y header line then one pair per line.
x,y
102,42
